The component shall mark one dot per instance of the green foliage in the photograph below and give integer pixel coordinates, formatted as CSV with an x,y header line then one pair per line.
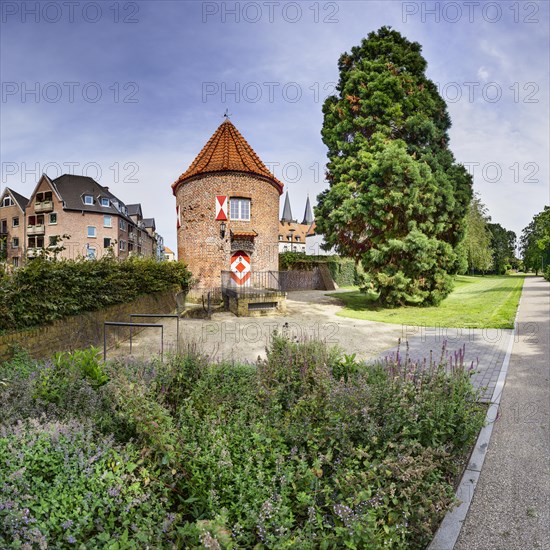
x,y
344,271
64,485
547,273
535,242
306,449
45,290
397,198
503,245
477,241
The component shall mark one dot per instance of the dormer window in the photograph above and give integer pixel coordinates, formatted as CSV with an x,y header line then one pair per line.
x,y
104,201
7,201
88,200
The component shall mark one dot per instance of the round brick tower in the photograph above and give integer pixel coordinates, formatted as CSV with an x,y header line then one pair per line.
x,y
227,205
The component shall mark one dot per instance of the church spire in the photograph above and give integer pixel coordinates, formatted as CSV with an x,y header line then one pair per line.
x,y
287,212
308,213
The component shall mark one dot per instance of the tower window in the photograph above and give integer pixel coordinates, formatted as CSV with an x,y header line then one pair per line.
x,y
239,209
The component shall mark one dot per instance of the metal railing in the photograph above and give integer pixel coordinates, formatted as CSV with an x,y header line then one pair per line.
x,y
131,325
162,315
259,282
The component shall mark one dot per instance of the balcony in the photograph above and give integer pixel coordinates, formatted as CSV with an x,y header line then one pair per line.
x,y
44,206
131,236
33,252
36,229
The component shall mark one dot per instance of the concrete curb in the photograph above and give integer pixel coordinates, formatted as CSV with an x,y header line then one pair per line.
x,y
448,532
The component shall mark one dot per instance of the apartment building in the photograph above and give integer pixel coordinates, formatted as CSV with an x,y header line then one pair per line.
x,y
78,217
12,227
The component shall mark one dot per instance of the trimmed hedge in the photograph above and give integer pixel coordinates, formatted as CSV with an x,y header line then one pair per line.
x,y
344,271
46,290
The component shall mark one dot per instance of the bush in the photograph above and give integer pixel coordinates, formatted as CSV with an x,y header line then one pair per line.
x,y
62,485
306,449
45,290
547,273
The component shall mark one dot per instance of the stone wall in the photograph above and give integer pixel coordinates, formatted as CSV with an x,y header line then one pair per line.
x,y
301,280
82,331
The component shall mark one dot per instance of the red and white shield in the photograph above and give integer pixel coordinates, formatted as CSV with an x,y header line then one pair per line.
x,y
240,267
221,208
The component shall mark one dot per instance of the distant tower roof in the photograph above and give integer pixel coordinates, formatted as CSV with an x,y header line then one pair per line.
x,y
228,151
308,213
287,212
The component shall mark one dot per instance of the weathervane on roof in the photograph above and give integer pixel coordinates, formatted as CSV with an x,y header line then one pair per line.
x,y
227,114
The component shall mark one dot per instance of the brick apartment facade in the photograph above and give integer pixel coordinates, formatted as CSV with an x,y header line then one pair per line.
x,y
228,210
79,215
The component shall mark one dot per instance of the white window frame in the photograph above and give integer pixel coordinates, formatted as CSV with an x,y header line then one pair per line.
x,y
13,245
236,207
85,200
13,224
122,225
103,201
7,201
50,218
94,232
110,224
122,245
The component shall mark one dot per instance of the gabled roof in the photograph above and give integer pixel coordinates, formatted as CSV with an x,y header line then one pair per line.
x,y
134,210
228,151
19,199
72,188
149,222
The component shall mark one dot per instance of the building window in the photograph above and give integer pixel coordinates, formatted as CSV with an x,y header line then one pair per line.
x,y
7,201
122,225
107,221
90,252
91,231
89,200
52,218
106,242
104,201
32,242
239,209
16,262
15,222
122,245
297,237
280,237
15,242
54,239
32,220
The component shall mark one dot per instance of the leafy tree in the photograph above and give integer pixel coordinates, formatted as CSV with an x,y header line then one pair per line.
x,y
397,199
535,242
503,245
477,242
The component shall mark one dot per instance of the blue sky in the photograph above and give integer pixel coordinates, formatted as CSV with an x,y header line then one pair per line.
x,y
129,92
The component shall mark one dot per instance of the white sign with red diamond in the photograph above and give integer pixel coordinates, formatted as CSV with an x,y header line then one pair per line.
x,y
240,267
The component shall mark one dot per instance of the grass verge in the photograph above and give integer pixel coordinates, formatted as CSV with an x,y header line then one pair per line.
x,y
476,302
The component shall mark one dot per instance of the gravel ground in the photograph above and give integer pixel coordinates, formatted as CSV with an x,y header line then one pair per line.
x,y
511,506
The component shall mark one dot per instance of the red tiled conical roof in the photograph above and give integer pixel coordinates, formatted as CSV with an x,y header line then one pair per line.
x,y
227,151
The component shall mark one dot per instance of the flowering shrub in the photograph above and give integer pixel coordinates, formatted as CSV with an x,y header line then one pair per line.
x,y
307,449
64,485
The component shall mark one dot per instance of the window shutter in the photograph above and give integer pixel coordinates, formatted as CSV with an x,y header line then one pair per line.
x,y
221,207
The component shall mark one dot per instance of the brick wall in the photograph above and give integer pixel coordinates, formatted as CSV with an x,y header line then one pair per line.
x,y
199,243
82,331
7,214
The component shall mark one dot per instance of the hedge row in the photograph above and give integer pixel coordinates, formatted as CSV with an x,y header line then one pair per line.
x,y
343,270
46,290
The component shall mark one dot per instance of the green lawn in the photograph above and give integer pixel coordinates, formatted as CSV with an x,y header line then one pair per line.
x,y
479,302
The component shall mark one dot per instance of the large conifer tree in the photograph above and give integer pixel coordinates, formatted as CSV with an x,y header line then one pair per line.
x,y
397,198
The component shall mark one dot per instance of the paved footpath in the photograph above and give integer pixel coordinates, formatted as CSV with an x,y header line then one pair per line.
x,y
510,509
